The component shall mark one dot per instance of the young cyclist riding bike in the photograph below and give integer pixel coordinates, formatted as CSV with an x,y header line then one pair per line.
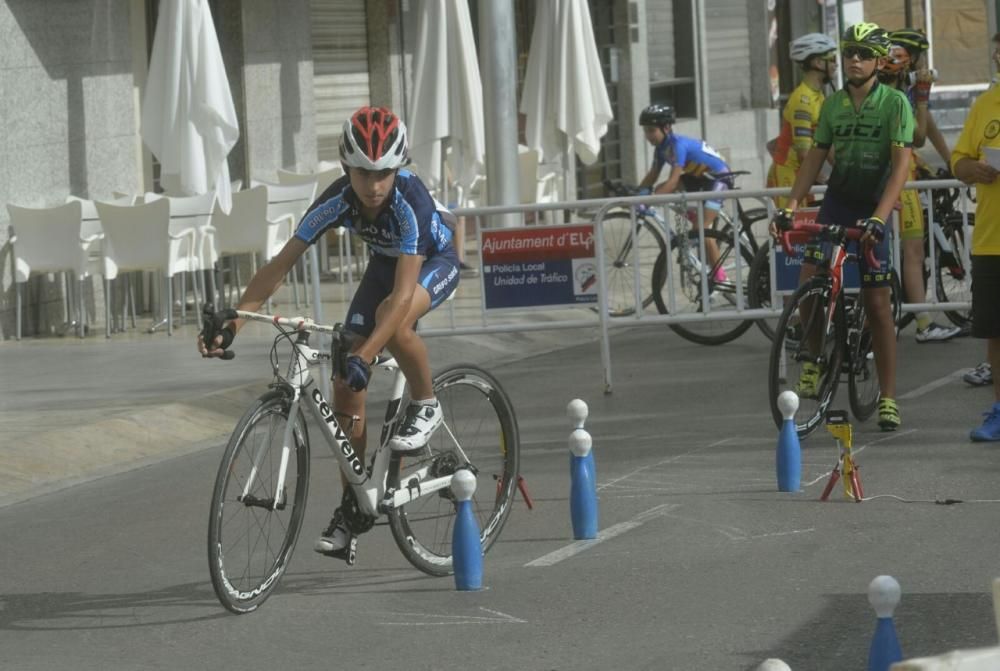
x,y
870,128
904,63
693,164
816,54
412,268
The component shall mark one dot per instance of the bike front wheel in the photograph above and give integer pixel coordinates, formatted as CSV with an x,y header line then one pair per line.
x,y
687,288
252,528
804,335
479,433
625,245
759,288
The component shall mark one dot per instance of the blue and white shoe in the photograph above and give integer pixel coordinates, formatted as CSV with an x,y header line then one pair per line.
x,y
990,430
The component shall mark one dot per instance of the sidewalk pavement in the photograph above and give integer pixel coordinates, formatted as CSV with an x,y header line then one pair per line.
x,y
74,410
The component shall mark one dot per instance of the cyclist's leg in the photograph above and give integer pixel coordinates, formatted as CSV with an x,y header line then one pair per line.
x,y
712,208
438,279
876,293
349,405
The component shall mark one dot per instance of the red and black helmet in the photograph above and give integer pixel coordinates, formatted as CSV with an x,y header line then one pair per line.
x,y
374,139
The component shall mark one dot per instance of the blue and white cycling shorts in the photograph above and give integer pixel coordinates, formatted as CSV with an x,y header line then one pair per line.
x,y
438,275
695,183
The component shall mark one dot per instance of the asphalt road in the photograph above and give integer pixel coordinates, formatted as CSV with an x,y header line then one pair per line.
x,y
707,566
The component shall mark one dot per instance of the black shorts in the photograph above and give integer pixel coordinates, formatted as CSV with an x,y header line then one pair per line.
x,y
834,211
439,275
986,296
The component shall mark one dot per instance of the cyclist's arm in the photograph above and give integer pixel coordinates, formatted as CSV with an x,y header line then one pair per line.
x,y
894,186
921,125
397,305
807,174
650,178
269,278
937,140
670,185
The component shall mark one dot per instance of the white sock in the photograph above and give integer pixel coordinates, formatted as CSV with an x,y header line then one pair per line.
x,y
427,401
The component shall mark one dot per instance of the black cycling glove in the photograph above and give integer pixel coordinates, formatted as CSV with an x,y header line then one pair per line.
x,y
874,226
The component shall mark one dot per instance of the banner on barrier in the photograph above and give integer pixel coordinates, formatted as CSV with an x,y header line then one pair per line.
x,y
540,266
786,268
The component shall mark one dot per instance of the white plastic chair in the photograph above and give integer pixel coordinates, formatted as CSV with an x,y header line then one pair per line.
x,y
139,237
49,240
537,186
194,213
289,201
247,229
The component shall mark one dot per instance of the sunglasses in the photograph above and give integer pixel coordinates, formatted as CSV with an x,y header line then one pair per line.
x,y
864,53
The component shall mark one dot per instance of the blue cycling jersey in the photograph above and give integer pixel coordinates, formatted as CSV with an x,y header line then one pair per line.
x,y
411,224
695,157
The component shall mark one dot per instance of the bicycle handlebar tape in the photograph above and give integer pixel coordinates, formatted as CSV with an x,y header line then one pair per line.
x,y
583,487
466,549
883,595
788,460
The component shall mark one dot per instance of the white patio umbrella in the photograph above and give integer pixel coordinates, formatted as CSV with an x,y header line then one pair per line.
x,y
564,99
188,117
447,109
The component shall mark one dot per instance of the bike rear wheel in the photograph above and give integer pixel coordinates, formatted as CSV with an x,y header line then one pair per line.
x,y
862,376
250,535
759,288
954,279
620,260
805,314
688,289
480,433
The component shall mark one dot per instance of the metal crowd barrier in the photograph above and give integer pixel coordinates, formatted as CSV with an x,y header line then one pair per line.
x,y
595,211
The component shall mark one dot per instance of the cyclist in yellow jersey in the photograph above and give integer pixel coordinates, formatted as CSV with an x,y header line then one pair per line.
x,y
971,165
816,53
904,64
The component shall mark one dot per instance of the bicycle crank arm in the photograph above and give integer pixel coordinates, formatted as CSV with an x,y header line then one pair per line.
x,y
411,491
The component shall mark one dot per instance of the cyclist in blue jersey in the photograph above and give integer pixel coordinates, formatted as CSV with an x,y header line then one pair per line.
x,y
693,166
412,268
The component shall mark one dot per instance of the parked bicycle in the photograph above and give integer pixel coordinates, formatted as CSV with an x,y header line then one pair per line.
x,y
825,325
259,497
953,281
645,240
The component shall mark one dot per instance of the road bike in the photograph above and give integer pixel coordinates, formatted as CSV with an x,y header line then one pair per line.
x,y
953,281
259,497
640,234
825,325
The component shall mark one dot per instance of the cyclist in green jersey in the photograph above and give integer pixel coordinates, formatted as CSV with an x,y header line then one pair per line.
x,y
869,126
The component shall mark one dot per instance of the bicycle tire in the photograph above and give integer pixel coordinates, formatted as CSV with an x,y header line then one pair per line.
x,y
619,269
244,560
863,386
759,288
954,279
480,433
791,348
689,291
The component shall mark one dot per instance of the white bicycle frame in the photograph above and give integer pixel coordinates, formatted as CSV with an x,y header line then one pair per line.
x,y
373,495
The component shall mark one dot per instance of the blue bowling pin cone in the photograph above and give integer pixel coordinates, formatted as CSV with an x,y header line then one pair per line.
x,y
788,459
466,548
583,488
577,412
883,595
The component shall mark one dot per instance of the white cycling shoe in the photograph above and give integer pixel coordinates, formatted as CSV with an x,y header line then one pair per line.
x,y
419,424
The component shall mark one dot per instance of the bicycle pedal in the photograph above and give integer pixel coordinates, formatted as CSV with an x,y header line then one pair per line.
x,y
349,553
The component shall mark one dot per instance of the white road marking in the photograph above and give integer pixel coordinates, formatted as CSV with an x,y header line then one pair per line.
x,y
603,535
931,386
439,620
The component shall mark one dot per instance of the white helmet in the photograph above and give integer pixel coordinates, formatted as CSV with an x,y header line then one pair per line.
x,y
374,139
811,44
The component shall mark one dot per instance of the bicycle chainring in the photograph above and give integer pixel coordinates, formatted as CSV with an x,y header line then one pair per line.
x,y
357,521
